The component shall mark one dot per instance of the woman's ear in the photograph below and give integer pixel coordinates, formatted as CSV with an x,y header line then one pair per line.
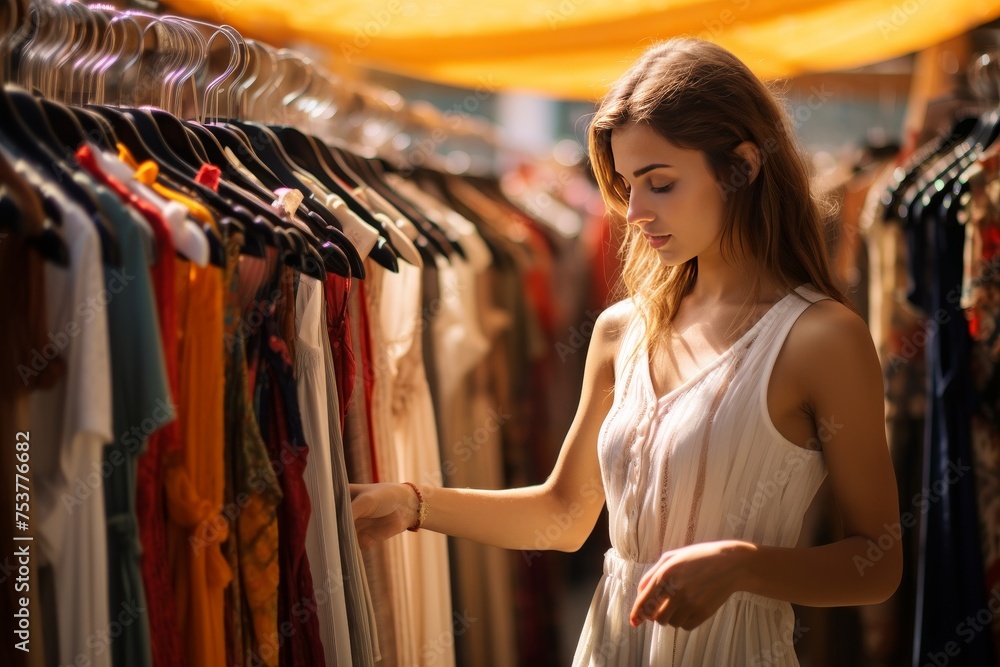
x,y
751,157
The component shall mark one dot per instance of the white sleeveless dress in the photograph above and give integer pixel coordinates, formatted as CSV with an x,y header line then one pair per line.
x,y
702,463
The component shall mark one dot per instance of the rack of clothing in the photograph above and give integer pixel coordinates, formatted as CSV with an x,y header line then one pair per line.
x,y
225,307
931,233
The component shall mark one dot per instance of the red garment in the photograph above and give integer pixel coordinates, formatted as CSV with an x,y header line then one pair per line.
x,y
368,367
338,327
281,424
604,241
150,510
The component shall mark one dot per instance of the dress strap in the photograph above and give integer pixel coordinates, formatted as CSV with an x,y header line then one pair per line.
x,y
810,293
634,335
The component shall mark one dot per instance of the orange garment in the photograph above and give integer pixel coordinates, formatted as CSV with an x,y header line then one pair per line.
x,y
195,475
147,173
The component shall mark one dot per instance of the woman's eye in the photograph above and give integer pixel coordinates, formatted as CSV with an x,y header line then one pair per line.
x,y
666,188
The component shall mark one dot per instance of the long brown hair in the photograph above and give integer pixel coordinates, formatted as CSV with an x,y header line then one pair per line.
x,y
699,96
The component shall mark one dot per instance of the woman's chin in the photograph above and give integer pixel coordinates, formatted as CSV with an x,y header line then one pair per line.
x,y
670,259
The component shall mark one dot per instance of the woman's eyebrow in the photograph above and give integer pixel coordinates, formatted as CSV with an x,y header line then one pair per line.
x,y
649,167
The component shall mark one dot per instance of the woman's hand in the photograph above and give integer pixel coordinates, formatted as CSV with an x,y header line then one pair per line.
x,y
689,584
382,510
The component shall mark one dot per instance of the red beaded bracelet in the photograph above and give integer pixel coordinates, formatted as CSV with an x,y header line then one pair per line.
x,y
421,508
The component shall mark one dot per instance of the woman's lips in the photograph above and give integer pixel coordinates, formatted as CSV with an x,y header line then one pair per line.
x,y
657,242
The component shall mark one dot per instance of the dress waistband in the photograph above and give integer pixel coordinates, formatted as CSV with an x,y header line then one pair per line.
x,y
629,572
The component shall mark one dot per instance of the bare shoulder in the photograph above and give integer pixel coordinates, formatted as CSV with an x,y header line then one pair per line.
x,y
831,327
609,329
830,344
613,319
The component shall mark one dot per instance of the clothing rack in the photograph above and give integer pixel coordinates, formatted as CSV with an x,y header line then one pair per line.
x,y
931,226
305,302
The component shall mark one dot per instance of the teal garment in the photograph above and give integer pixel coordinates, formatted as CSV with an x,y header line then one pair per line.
x,y
141,405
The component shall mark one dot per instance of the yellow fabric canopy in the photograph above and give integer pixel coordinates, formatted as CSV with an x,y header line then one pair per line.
x,y
577,48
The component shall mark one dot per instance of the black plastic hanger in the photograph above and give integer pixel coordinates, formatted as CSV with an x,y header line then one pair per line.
x,y
892,197
141,152
941,182
178,137
426,245
334,262
303,150
39,143
254,225
147,128
67,129
955,196
231,138
436,240
266,148
48,243
300,255
95,126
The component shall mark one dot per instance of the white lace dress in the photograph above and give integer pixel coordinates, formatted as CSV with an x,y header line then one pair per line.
x,y
702,463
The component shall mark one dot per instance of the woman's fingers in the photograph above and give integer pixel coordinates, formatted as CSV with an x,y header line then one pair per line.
x,y
362,506
646,604
653,597
666,611
654,571
368,533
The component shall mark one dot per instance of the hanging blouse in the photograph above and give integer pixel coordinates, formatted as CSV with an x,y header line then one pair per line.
x,y
195,476
71,422
150,481
322,535
276,404
142,403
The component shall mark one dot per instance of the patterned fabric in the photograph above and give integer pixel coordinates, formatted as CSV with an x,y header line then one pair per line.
x,y
252,498
981,299
338,326
276,404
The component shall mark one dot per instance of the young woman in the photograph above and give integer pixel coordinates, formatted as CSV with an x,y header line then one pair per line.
x,y
716,398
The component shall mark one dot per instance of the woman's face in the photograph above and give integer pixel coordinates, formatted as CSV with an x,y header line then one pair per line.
x,y
673,198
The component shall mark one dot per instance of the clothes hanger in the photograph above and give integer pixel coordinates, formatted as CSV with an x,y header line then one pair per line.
x,y
941,180
372,172
191,53
956,196
892,198
314,257
96,127
233,138
498,257
911,202
299,151
271,151
14,102
24,211
246,212
334,261
343,171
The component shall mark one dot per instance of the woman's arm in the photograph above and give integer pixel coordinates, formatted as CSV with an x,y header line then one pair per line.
x,y
558,514
841,379
836,371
